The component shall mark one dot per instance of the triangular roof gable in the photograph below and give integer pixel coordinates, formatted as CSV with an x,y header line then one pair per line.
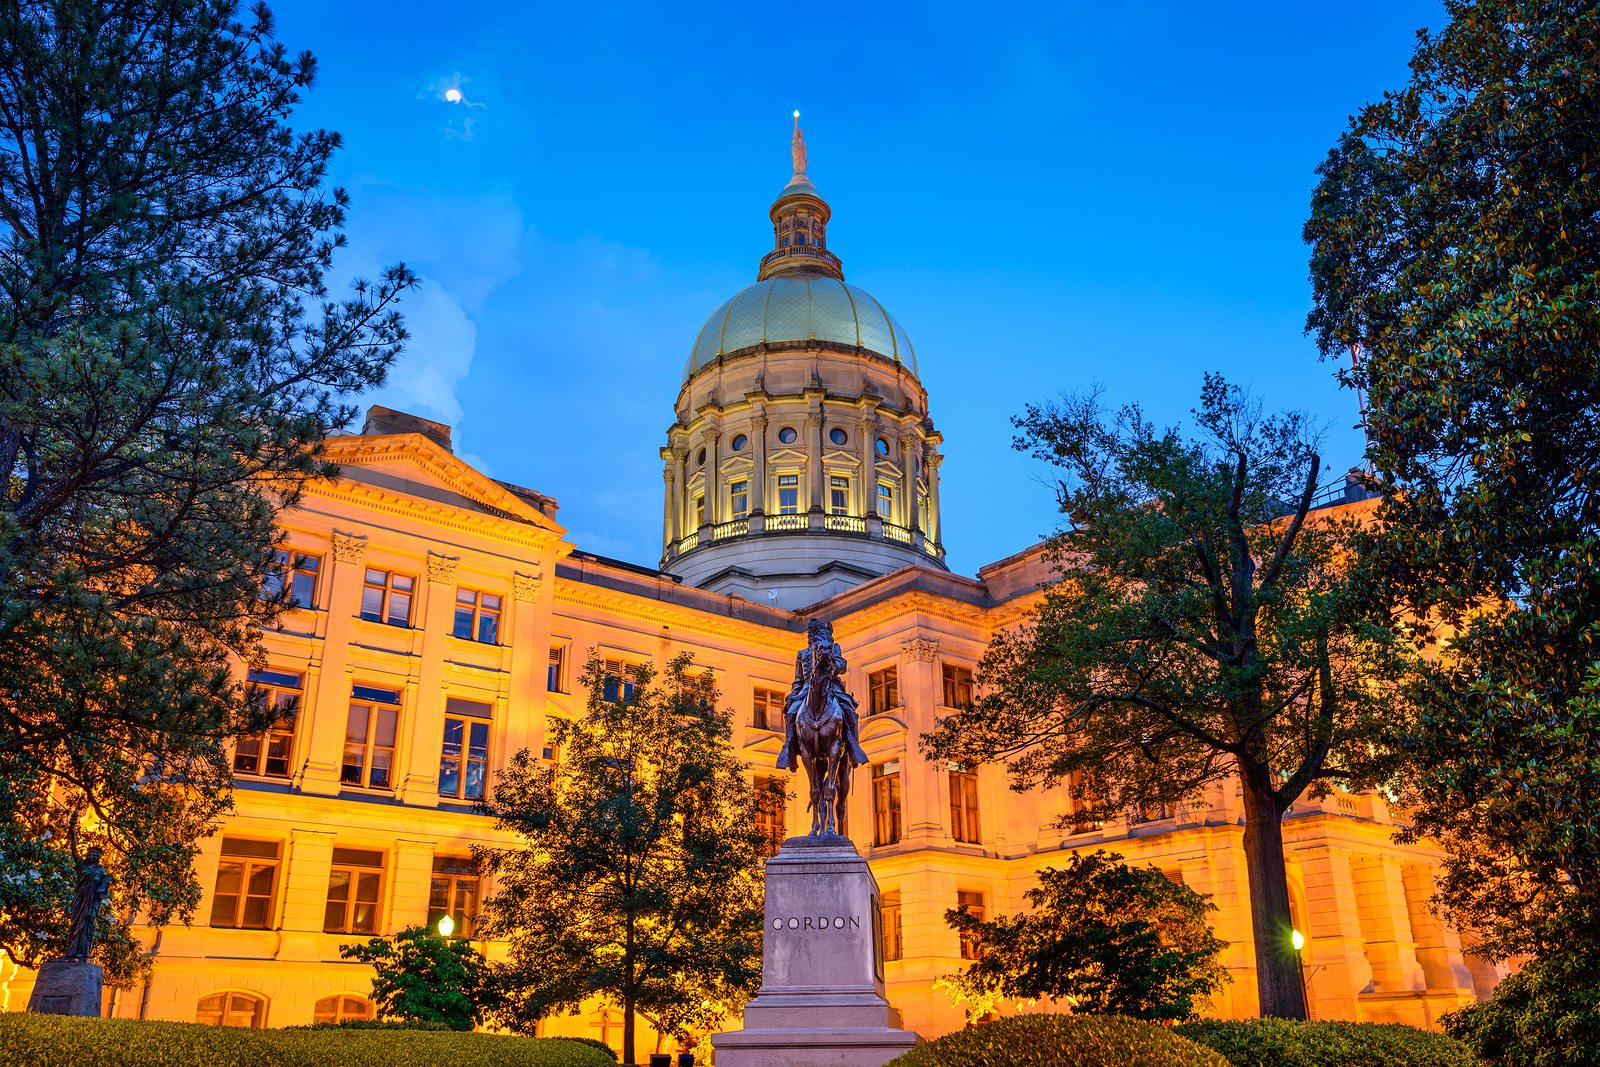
x,y
411,464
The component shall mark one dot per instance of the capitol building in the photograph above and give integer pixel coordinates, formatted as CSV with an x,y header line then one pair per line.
x,y
443,618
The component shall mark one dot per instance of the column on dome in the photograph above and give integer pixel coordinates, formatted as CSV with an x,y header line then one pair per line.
x,y
715,506
680,459
669,530
905,508
935,520
866,435
758,479
814,457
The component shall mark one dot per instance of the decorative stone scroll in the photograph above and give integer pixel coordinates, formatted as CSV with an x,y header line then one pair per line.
x,y
920,649
442,568
525,587
349,547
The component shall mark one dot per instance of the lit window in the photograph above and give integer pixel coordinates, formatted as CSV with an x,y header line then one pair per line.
x,y
620,682
964,806
699,510
889,908
1083,804
477,616
973,903
770,810
554,679
839,494
787,435
245,881
838,436
386,597
343,1006
788,494
267,753
957,686
739,499
369,737
353,885
768,713
454,892
883,691
739,442
464,757
885,501
232,1009
296,572
886,803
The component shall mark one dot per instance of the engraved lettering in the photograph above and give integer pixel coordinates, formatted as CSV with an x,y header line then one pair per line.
x,y
855,923
808,922
838,922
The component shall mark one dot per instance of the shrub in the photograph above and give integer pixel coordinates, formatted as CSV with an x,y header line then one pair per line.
x,y
601,1045
1285,1043
1061,1041
56,1041
1545,1015
424,976
377,1024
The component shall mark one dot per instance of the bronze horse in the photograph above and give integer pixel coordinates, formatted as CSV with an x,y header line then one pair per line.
x,y
820,731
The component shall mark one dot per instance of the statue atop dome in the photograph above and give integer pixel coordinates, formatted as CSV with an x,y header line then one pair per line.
x,y
797,148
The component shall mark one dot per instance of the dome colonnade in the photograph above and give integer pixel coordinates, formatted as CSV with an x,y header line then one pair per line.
x,y
802,460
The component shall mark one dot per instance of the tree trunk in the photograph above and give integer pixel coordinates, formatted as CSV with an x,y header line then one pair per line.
x,y
1277,964
627,1030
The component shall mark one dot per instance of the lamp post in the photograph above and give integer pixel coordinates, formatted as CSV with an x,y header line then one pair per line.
x,y
1298,940
447,926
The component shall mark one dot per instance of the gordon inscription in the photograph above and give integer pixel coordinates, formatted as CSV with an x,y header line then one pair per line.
x,y
816,922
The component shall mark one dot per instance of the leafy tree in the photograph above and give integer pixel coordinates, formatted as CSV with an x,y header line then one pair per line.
x,y
424,977
1206,628
1455,236
1116,939
1545,1015
639,880
170,361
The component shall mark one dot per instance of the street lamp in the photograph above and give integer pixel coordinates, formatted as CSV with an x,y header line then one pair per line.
x,y
447,926
1298,940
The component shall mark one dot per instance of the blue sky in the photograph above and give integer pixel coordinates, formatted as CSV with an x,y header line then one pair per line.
x,y
1047,197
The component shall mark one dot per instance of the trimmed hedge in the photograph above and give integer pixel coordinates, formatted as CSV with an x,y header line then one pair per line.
x,y
1284,1043
57,1041
1061,1041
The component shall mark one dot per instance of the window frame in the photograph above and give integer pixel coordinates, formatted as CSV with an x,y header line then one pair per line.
x,y
556,670
788,482
282,729
883,690
888,806
249,864
618,673
373,705
838,494
358,873
388,592
973,901
338,1014
893,946
964,823
954,678
885,502
739,498
771,819
766,708
477,613
258,1016
456,713
448,873
286,570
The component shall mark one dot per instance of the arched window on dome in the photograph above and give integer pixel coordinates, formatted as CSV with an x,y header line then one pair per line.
x,y
342,1006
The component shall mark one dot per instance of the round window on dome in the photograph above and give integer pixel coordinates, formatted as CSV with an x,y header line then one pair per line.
x,y
838,436
700,459
787,435
883,446
739,441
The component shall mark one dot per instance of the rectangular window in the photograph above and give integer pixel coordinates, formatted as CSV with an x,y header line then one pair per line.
x,y
964,806
883,691
770,804
555,675
369,737
839,495
957,686
477,616
890,910
768,710
739,499
699,510
464,758
620,682
268,753
386,597
353,885
297,573
454,892
885,502
973,902
1082,805
886,803
788,494
245,881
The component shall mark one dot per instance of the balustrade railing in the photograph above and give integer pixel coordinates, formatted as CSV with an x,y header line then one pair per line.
x,y
733,528
845,523
787,522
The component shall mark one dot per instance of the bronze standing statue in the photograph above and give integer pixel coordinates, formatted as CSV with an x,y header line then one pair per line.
x,y
94,884
821,727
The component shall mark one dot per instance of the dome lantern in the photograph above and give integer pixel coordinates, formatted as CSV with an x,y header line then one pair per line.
x,y
800,224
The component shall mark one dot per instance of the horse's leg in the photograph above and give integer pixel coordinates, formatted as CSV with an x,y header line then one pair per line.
x,y
830,791
815,771
843,786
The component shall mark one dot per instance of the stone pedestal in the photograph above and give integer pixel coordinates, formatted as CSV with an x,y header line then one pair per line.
x,y
67,987
821,1000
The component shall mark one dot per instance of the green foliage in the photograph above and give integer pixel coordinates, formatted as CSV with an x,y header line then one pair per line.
x,y
607,1049
1545,1015
639,880
57,1041
1116,939
1455,237
376,1024
428,978
1287,1043
170,361
1061,1041
1206,628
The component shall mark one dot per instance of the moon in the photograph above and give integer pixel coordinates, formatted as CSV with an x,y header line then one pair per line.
x,y
453,95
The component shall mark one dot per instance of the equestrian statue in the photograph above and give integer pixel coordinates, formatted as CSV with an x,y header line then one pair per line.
x,y
821,728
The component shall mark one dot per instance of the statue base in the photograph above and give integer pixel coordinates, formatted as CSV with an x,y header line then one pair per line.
x,y
821,1001
68,987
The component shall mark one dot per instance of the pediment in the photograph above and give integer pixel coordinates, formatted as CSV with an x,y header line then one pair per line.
x,y
411,465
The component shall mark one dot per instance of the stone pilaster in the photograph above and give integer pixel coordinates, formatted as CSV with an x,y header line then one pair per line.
x,y
1335,954
1386,923
423,724
325,718
925,786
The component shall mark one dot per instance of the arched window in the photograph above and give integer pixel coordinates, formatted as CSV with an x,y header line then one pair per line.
x,y
232,1009
342,1006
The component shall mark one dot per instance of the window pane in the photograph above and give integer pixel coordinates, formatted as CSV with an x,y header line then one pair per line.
x,y
463,623
387,717
401,581
355,726
399,609
372,604
478,741
304,590
488,629
381,761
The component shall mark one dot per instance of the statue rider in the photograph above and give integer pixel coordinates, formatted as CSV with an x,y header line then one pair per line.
x,y
819,635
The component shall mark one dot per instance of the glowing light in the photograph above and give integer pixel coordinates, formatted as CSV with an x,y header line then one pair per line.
x,y
796,112
453,95
1297,939
447,925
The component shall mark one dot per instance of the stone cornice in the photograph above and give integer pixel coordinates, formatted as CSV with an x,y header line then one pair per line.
x,y
678,616
440,516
